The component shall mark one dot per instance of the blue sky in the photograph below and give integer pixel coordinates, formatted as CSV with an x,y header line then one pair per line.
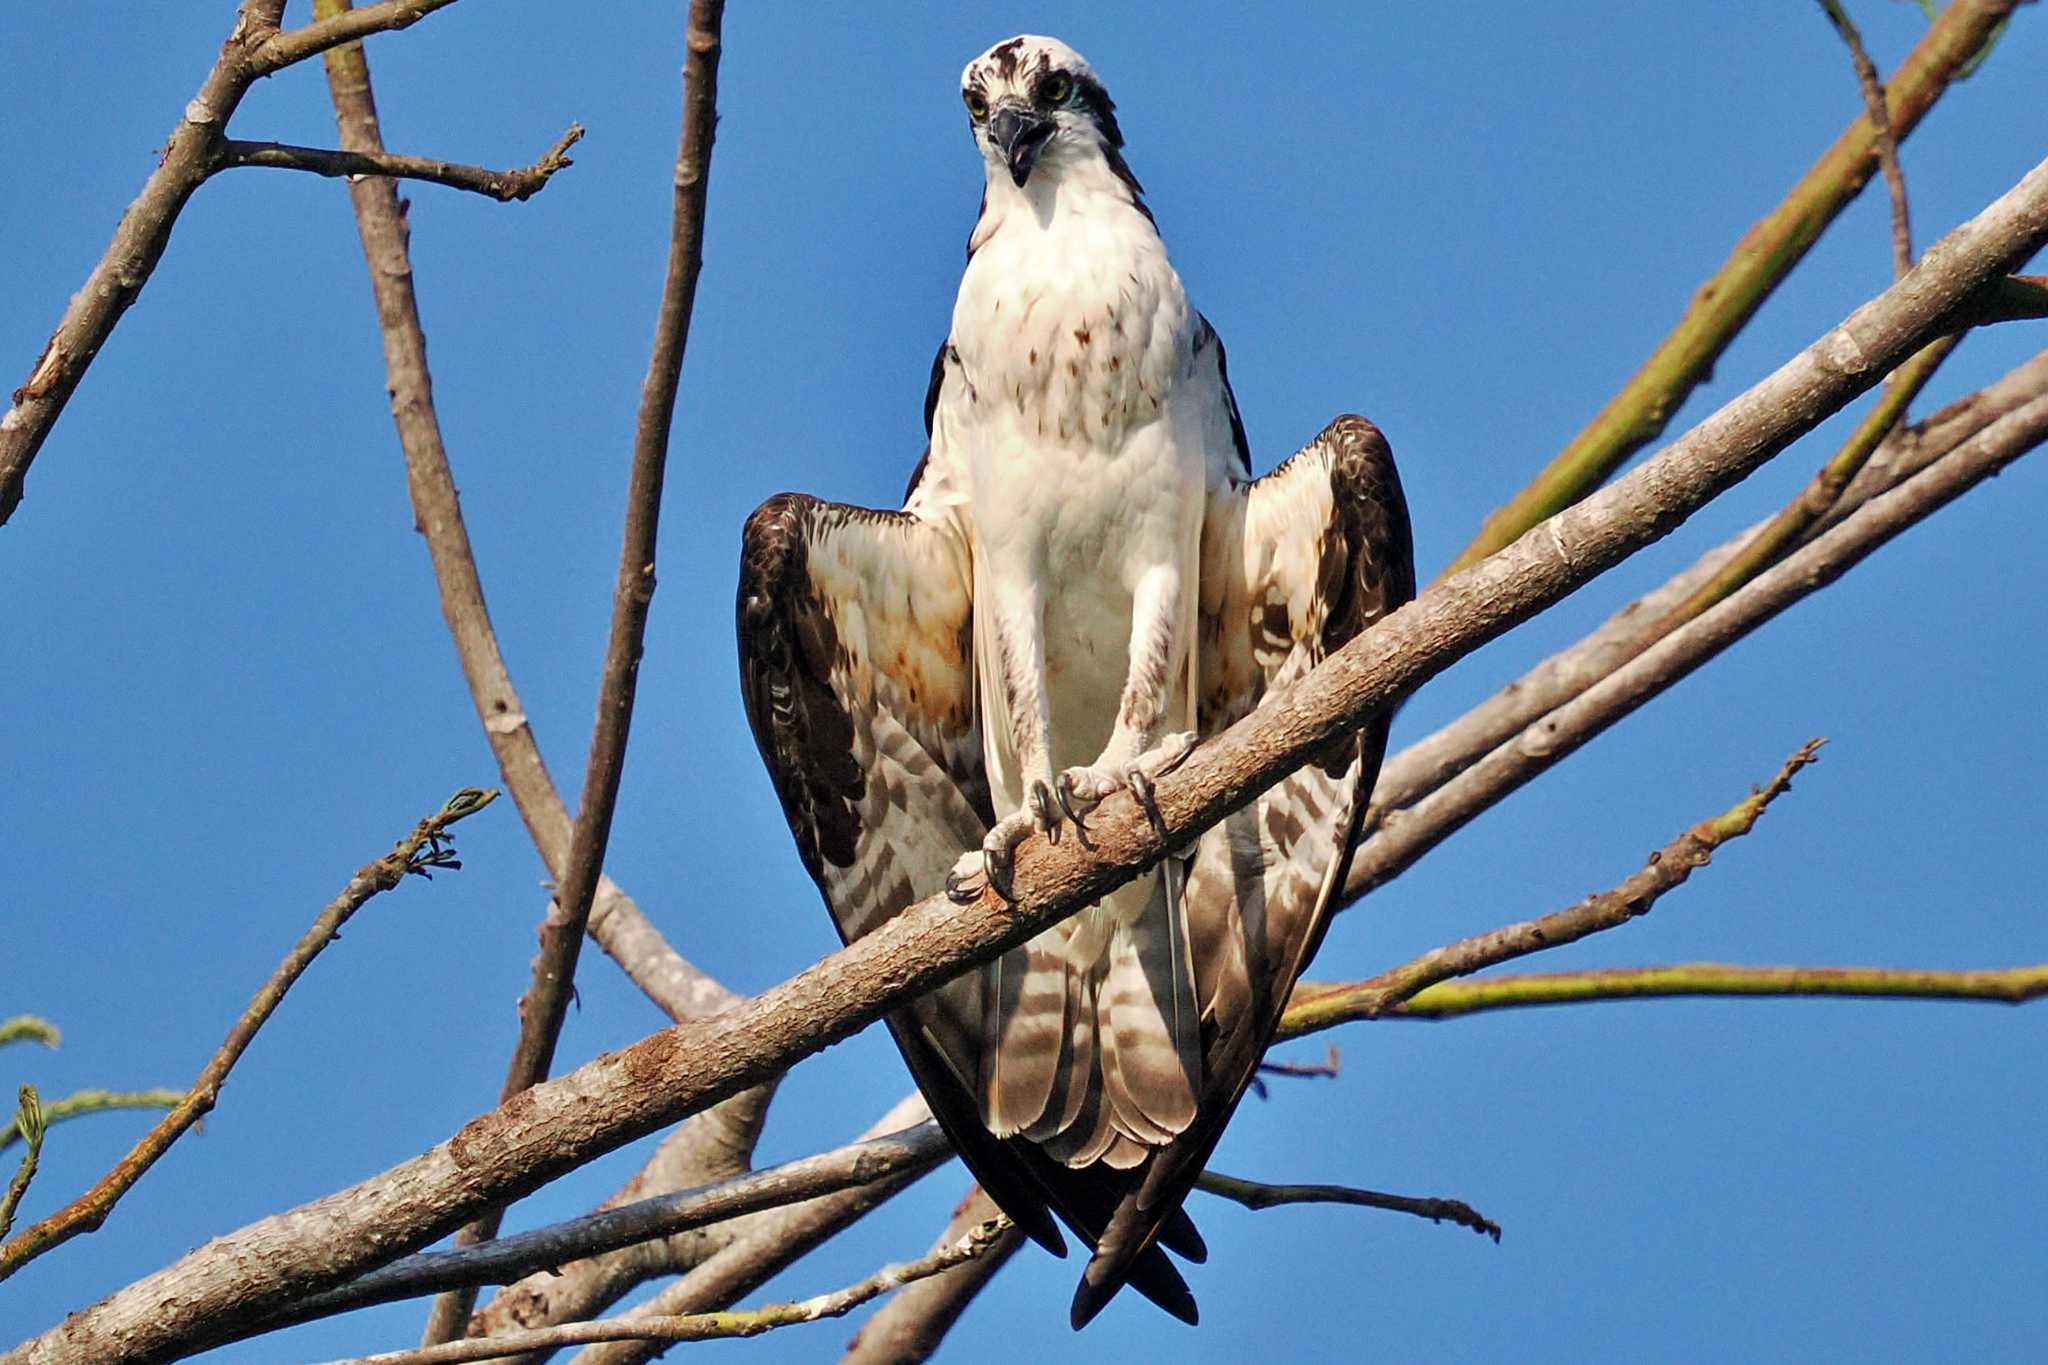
x,y
228,684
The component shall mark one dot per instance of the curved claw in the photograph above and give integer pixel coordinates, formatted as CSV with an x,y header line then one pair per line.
x,y
1042,812
1141,787
961,891
1063,789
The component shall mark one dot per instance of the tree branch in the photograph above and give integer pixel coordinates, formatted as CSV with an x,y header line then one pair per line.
x,y
624,1094
1669,867
28,1119
1880,132
542,1008
914,1149
1428,763
80,1102
1636,415
254,48
28,1028
503,186
704,1326
1451,999
763,1245
1406,835
428,846
910,1326
706,1148
1254,1195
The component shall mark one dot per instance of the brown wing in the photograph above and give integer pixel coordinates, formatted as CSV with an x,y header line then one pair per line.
x,y
855,631
1293,566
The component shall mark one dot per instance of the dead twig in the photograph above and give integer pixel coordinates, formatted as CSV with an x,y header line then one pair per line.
x,y
1668,867
504,186
429,846
254,48
1255,1195
703,1326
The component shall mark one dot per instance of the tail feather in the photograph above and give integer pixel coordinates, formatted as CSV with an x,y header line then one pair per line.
x,y
1151,1274
1026,1037
1147,1017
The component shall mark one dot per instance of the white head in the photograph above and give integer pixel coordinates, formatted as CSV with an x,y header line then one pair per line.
x,y
1036,102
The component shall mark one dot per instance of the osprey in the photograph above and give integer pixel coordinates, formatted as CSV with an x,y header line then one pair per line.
x,y
1084,578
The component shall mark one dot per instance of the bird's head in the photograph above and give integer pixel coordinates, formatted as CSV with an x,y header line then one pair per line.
x,y
1035,102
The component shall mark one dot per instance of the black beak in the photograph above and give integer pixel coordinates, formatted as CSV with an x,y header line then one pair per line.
x,y
1021,135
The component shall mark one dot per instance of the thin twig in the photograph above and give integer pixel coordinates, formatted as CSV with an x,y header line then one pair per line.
x,y
503,186
702,1326
92,1102
1256,1195
704,1149
1725,302
1668,867
1881,134
28,1119
630,1092
543,1007
1455,999
429,846
254,49
910,1326
29,1028
1327,1069
766,1243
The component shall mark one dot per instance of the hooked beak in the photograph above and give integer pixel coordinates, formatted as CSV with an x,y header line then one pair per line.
x,y
1020,135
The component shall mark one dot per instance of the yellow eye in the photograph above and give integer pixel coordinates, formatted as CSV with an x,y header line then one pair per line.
x,y
1055,88
977,107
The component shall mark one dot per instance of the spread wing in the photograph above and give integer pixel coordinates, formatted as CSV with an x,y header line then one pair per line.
x,y
1293,566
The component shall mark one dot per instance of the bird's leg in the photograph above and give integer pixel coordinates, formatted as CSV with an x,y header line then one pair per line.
x,y
1020,636
1138,752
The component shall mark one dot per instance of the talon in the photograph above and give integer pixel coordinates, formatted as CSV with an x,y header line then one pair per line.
x,y
1042,802
960,892
1001,865
1141,787
1063,790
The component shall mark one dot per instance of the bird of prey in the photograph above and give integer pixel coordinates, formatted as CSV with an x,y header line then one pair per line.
x,y
1084,578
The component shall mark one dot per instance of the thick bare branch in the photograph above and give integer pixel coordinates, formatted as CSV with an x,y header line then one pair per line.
x,y
503,186
426,847
625,1094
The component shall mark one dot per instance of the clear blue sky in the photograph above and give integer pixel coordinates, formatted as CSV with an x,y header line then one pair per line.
x,y
227,683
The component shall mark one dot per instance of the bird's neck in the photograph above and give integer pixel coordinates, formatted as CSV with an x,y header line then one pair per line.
x,y
1066,187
